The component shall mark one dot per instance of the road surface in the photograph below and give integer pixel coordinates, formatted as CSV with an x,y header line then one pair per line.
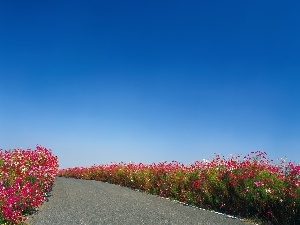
x,y
88,202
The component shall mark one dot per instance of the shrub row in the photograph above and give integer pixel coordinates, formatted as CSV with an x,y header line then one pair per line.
x,y
250,187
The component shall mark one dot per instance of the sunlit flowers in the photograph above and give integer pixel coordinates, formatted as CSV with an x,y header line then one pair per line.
x,y
249,186
25,178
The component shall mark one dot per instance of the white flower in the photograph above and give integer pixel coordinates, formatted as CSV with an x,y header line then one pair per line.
x,y
268,190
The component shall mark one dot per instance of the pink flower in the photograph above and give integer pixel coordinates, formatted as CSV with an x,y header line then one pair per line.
x,y
259,183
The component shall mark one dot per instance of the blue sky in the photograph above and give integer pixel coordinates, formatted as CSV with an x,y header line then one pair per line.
x,y
111,81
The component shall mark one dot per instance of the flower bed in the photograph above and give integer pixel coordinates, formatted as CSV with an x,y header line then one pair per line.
x,y
251,187
25,178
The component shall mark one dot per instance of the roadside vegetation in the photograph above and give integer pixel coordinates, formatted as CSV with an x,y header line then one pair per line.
x,y
26,176
250,187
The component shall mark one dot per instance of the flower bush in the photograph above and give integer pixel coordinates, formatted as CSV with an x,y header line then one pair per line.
x,y
25,178
250,187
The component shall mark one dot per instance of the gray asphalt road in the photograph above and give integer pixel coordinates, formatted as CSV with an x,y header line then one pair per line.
x,y
89,202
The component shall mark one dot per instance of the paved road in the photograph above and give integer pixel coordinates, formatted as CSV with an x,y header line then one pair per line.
x,y
75,201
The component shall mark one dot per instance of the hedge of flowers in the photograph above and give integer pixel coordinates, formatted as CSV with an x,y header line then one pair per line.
x,y
25,178
251,187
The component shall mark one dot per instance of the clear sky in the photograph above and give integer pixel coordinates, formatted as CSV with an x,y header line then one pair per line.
x,y
111,81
